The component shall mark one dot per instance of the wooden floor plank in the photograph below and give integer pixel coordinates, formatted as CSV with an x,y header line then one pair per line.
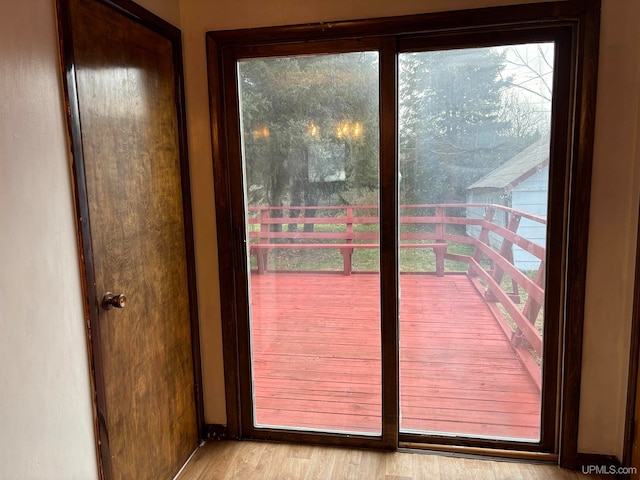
x,y
316,357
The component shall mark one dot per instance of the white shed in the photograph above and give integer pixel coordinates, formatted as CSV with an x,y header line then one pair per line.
x,y
521,183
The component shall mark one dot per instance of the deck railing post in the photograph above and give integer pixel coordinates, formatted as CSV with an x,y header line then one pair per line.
x,y
483,237
506,252
265,215
531,307
349,224
262,256
440,232
440,224
347,253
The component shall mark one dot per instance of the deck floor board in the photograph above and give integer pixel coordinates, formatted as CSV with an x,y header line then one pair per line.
x,y
316,357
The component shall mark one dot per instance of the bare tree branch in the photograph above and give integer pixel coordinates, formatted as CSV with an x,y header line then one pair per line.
x,y
526,63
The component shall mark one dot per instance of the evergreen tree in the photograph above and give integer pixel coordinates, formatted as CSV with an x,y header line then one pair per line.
x,y
451,133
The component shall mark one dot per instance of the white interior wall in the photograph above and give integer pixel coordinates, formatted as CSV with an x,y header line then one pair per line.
x,y
46,422
612,232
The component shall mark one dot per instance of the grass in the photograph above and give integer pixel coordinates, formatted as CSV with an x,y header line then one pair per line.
x,y
364,259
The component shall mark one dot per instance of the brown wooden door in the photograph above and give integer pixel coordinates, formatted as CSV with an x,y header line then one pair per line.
x,y
127,104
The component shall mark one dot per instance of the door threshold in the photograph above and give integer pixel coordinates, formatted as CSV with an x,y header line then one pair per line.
x,y
489,453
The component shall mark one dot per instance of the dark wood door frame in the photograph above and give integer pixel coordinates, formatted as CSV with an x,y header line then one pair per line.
x,y
574,141
633,389
90,293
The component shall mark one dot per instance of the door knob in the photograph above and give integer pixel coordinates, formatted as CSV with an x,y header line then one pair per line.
x,y
111,300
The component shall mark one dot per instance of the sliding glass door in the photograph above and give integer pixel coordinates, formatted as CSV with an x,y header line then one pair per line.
x,y
473,130
474,143
399,216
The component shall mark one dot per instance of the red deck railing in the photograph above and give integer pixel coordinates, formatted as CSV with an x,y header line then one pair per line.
x,y
425,226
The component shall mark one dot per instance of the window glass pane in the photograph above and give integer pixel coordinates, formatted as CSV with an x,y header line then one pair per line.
x,y
474,177
310,157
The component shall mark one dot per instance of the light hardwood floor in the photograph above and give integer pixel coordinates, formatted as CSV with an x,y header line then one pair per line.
x,y
249,460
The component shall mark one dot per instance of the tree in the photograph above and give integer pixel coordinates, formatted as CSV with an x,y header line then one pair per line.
x,y
534,66
528,73
451,131
310,128
310,125
526,123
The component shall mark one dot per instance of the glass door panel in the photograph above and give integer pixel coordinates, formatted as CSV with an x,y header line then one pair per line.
x,y
310,143
474,129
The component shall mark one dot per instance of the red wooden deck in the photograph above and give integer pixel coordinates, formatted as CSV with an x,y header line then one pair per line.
x,y
316,350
